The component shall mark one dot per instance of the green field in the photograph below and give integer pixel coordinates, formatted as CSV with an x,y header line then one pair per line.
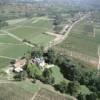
x,y
8,39
58,75
45,94
4,62
82,39
32,29
13,51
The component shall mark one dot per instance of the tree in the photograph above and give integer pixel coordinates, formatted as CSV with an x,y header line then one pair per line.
x,y
81,97
37,52
48,78
3,23
51,56
92,96
73,88
62,87
20,76
33,71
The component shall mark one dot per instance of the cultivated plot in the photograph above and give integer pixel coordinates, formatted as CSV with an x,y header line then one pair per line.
x,y
84,38
11,37
11,91
45,94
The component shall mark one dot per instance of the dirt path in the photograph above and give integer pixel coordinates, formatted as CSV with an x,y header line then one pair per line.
x,y
17,38
61,38
16,27
11,44
64,29
7,57
35,21
70,28
34,95
2,34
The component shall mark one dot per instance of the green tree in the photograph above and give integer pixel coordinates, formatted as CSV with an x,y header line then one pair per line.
x,y
73,88
3,23
81,97
62,87
37,52
33,71
20,76
48,78
92,96
51,56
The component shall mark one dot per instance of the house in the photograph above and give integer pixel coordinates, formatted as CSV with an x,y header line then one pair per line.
x,y
19,64
40,62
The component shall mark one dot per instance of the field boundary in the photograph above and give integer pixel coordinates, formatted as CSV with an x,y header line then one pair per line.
x,y
5,57
77,55
17,38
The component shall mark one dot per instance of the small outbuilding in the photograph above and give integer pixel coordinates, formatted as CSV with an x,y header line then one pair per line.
x,y
40,62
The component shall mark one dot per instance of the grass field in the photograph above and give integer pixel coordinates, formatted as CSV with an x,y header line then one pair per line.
x,y
4,62
30,29
82,39
13,51
28,86
7,39
45,94
58,75
13,92
25,91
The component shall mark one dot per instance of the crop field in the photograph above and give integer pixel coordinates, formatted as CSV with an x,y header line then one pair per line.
x,y
45,94
23,91
84,38
13,92
29,29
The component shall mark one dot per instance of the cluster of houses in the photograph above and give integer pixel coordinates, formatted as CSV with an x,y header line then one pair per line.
x,y
19,64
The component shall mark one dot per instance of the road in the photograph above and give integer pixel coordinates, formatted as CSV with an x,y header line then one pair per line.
x,y
61,38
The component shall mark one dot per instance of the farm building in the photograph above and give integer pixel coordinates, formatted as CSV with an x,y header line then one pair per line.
x,y
19,64
40,62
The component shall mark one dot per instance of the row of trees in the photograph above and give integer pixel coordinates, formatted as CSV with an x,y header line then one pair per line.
x,y
3,23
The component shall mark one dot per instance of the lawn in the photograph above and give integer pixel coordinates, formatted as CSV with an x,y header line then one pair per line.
x,y
58,75
13,92
81,39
